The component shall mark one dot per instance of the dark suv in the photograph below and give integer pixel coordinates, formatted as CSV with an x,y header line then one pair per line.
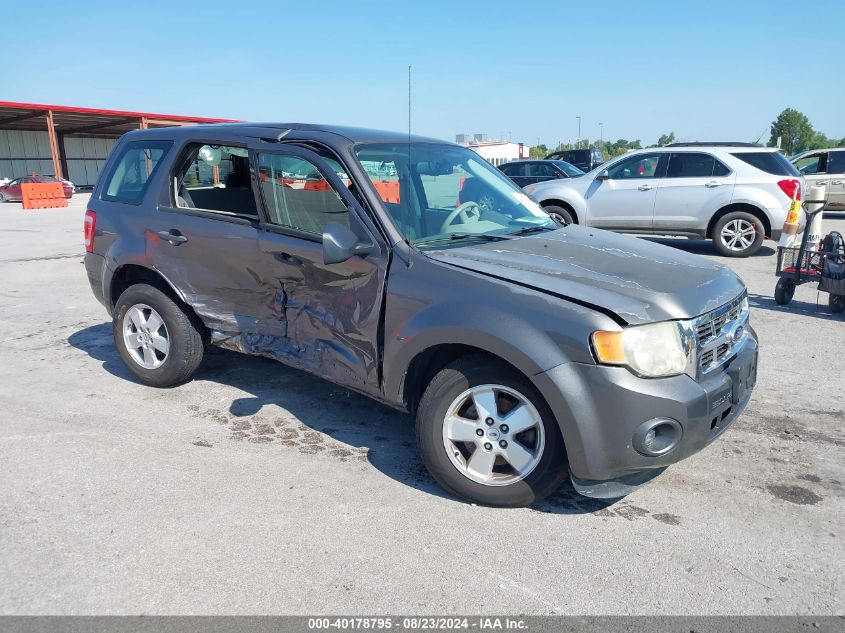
x,y
584,159
526,351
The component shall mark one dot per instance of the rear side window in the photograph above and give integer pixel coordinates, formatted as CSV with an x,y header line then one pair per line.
x,y
512,170
133,169
216,178
770,162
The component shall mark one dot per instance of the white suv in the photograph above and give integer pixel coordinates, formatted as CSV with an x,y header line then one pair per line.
x,y
825,167
735,194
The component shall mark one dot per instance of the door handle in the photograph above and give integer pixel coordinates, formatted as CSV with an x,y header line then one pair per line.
x,y
173,236
836,182
713,183
287,258
645,187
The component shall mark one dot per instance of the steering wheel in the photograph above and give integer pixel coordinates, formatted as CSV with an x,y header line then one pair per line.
x,y
469,212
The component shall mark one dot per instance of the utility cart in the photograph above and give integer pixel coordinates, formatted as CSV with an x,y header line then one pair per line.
x,y
801,265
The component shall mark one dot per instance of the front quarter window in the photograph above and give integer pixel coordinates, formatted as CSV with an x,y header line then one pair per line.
x,y
444,192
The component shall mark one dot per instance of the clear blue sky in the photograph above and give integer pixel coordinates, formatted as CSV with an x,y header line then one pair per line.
x,y
705,70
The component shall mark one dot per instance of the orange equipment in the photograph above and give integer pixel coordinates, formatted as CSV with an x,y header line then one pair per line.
x,y
43,195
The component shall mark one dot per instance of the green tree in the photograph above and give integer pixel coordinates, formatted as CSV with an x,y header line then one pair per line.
x,y
794,130
538,151
665,139
820,141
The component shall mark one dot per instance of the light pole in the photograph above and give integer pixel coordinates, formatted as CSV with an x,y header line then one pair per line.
x,y
579,130
601,133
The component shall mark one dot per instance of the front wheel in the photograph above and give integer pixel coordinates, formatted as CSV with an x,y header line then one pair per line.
x,y
486,434
561,215
836,303
738,234
784,290
157,340
3,197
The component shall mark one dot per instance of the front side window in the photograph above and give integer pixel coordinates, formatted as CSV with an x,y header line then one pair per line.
x,y
570,170
812,164
133,169
216,178
837,163
541,170
444,191
297,195
639,166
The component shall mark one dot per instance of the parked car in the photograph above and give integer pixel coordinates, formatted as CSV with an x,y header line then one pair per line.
x,y
65,182
529,172
12,192
825,167
584,159
526,351
736,195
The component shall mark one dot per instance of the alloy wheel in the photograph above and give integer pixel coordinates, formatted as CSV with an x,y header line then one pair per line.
x,y
145,336
739,234
493,435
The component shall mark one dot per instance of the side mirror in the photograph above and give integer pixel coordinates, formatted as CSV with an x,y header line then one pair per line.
x,y
603,175
340,244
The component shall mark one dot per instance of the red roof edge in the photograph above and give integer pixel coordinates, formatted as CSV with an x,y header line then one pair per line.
x,y
125,113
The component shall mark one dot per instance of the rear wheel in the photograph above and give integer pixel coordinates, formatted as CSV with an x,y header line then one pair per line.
x,y
486,434
836,303
561,215
738,234
2,197
784,290
156,338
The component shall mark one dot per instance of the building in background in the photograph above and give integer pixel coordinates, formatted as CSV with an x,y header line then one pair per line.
x,y
67,141
494,152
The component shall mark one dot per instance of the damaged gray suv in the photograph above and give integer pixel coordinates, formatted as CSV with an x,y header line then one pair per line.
x,y
527,351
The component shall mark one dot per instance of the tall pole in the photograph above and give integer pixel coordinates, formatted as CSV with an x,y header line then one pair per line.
x,y
601,133
579,130
409,104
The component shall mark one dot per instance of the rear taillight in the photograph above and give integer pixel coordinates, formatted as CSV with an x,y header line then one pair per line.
x,y
88,230
791,187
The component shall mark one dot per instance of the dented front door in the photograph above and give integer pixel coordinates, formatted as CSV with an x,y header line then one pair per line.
x,y
323,318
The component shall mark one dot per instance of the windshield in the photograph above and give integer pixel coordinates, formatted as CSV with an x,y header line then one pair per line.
x,y
440,194
570,170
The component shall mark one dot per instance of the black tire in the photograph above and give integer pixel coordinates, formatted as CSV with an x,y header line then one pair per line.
x,y
2,197
185,340
743,218
784,291
836,303
442,391
561,215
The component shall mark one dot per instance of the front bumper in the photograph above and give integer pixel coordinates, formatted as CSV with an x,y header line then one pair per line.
x,y
600,408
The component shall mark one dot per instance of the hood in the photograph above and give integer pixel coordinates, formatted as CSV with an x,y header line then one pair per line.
x,y
636,280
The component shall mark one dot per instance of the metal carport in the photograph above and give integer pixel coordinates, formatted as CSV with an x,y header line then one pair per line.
x,y
70,142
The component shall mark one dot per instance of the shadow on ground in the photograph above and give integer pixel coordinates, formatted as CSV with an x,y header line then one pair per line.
x,y
704,247
290,407
819,310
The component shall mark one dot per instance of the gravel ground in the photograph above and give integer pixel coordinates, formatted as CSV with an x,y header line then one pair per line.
x,y
259,489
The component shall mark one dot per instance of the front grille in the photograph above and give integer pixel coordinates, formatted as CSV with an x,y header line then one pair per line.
x,y
712,327
715,333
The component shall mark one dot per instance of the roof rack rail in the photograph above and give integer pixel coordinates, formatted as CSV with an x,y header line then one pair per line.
x,y
714,144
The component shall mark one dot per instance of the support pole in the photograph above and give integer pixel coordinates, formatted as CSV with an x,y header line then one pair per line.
x,y
54,146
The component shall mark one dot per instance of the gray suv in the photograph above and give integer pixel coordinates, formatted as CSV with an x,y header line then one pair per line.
x,y
526,351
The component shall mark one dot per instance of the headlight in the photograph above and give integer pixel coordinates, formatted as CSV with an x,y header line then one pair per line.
x,y
652,350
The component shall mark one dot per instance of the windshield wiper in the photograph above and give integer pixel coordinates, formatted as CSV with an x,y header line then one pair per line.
x,y
533,229
484,237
